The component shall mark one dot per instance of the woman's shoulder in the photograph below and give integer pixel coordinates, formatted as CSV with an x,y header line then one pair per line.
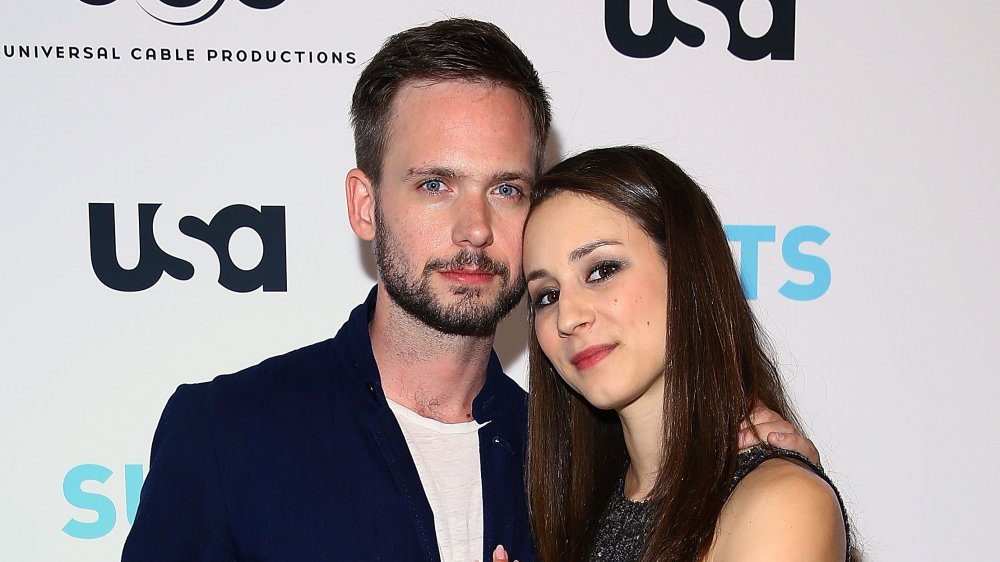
x,y
781,510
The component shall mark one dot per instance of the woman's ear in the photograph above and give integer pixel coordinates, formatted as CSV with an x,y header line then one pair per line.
x,y
360,203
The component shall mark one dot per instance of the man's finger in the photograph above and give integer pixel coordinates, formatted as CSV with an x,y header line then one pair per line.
x,y
747,439
780,426
796,443
747,436
762,414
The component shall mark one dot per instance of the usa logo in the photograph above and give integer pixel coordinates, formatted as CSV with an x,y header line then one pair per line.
x,y
186,12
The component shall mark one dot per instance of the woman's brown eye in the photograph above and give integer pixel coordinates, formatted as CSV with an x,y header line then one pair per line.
x,y
604,270
546,298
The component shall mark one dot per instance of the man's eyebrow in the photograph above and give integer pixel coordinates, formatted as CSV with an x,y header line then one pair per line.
x,y
451,173
436,171
514,175
586,249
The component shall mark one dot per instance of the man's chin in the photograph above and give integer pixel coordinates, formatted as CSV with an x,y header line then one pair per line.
x,y
467,314
470,303
463,318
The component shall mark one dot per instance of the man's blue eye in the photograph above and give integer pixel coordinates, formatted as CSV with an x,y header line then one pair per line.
x,y
507,190
433,185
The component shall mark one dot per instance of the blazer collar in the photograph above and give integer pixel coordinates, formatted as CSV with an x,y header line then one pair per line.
x,y
360,352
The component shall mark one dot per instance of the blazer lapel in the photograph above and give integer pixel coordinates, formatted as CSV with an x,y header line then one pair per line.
x,y
389,437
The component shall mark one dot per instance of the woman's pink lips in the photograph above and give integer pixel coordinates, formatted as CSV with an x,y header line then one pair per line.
x,y
591,356
468,276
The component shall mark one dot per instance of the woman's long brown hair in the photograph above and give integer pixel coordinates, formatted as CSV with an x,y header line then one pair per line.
x,y
717,367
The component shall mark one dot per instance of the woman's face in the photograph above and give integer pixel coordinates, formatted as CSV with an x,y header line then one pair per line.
x,y
598,287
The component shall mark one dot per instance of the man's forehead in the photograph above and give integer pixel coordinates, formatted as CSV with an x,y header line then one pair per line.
x,y
458,129
423,93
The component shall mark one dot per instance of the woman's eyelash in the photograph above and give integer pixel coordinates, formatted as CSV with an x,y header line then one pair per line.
x,y
599,272
545,298
603,270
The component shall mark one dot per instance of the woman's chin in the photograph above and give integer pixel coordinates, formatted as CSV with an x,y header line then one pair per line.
x,y
605,398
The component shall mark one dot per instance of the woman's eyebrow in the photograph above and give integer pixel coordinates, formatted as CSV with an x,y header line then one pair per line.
x,y
575,255
535,274
586,249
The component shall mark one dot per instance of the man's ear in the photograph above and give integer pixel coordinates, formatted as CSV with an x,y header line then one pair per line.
x,y
361,204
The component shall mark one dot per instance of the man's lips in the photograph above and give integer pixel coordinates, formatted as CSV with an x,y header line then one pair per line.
x,y
468,276
591,356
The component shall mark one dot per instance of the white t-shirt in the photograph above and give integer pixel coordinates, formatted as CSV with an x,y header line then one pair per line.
x,y
447,460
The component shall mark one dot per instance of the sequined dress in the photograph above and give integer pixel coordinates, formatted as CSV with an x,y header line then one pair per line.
x,y
621,532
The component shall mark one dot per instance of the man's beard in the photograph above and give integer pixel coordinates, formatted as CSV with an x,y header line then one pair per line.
x,y
469,315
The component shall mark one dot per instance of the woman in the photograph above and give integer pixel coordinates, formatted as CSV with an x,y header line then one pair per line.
x,y
644,359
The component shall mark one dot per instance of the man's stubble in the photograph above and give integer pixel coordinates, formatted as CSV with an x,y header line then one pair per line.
x,y
469,315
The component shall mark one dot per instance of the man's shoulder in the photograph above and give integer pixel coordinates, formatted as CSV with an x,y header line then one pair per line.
x,y
294,377
283,399
290,367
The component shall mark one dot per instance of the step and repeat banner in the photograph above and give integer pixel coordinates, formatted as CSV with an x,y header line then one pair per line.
x,y
174,209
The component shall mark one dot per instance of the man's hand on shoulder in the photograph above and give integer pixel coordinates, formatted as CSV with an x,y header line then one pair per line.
x,y
777,432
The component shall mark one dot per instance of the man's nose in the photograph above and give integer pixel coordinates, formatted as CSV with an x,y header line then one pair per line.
x,y
473,223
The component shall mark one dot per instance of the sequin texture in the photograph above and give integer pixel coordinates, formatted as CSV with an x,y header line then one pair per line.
x,y
621,532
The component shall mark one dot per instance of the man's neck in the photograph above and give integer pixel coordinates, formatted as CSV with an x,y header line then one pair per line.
x,y
434,374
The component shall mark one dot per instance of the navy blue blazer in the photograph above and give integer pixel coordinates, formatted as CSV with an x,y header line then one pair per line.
x,y
300,459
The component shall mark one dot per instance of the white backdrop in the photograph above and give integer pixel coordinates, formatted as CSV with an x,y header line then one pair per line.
x,y
882,131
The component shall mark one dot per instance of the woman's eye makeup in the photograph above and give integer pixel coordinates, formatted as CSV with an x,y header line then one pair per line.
x,y
603,270
599,272
544,298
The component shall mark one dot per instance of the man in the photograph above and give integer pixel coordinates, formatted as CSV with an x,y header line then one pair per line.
x,y
400,438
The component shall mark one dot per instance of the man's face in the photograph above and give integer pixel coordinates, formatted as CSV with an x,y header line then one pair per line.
x,y
452,203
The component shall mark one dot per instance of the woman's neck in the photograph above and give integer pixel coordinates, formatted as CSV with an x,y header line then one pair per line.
x,y
642,425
